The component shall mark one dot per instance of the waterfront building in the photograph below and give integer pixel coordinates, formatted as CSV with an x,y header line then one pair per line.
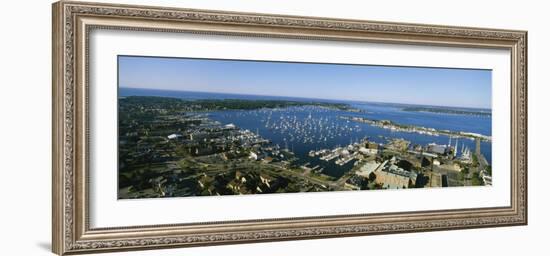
x,y
395,177
391,180
368,151
369,167
436,148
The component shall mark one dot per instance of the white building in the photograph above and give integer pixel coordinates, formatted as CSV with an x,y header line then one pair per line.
x,y
174,136
438,149
368,151
369,167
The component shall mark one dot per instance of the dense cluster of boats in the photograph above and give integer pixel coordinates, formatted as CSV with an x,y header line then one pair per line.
x,y
307,124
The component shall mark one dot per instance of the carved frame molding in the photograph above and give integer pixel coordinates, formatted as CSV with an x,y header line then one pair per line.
x,y
72,22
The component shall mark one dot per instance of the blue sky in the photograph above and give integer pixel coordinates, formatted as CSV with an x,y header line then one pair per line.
x,y
412,85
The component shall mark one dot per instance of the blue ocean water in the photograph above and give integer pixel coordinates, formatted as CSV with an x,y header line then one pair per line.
x,y
302,129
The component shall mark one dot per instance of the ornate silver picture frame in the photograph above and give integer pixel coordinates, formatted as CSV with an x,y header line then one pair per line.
x,y
74,21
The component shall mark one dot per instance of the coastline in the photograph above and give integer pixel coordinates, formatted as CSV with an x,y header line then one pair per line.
x,y
387,124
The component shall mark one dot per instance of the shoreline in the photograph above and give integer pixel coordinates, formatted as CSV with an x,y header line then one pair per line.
x,y
390,125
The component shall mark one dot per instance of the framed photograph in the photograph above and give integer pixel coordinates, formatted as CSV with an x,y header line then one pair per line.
x,y
178,127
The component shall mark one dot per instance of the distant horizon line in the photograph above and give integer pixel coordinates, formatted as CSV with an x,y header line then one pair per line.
x,y
312,98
